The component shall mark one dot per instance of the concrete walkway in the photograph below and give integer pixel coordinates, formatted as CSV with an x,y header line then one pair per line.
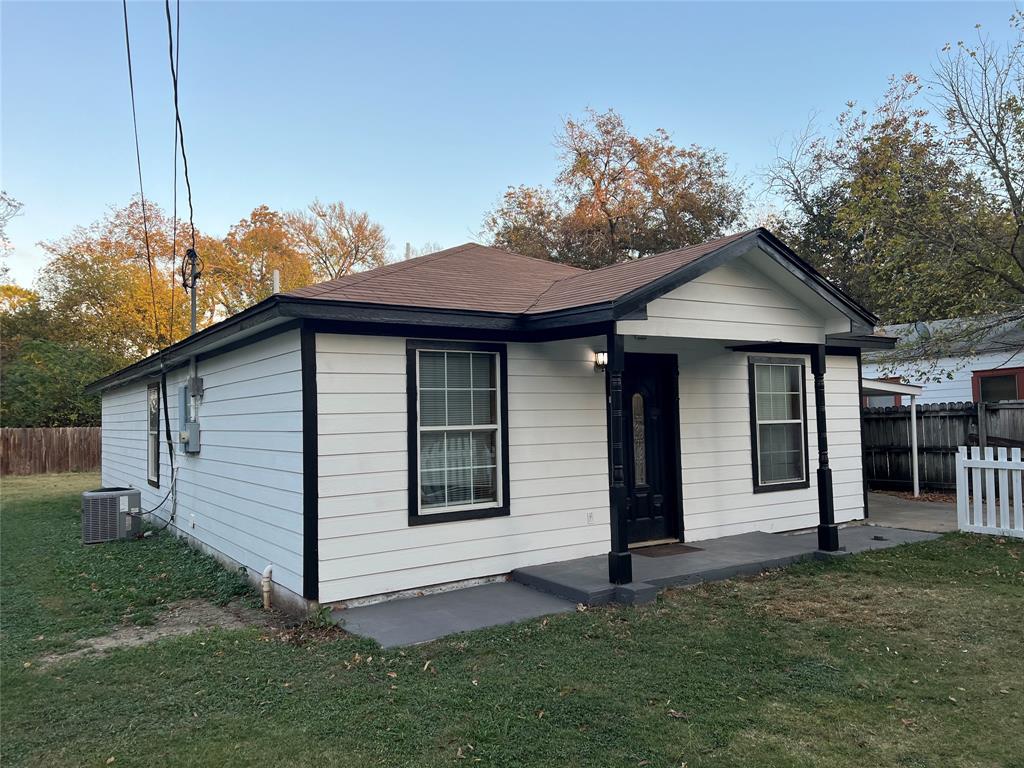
x,y
413,620
558,587
897,512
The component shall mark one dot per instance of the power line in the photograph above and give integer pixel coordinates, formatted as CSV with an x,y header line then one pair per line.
x,y
191,255
177,115
174,45
149,257
138,165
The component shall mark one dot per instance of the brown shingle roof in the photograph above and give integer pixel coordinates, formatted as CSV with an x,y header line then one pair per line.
x,y
478,278
468,277
616,280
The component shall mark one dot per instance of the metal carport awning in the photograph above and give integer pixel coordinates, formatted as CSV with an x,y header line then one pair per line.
x,y
871,387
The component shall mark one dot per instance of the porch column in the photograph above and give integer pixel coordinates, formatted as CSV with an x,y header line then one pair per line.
x,y
620,563
828,532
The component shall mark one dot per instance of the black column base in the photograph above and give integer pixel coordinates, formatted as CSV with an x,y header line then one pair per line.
x,y
620,567
828,538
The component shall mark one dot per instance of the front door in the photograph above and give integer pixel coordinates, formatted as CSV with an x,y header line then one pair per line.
x,y
650,410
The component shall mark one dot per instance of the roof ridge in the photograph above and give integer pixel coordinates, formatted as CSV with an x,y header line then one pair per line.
x,y
576,270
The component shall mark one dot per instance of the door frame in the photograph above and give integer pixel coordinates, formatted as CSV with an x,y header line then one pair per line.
x,y
669,362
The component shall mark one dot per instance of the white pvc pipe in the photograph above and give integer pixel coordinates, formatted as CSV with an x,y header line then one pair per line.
x,y
265,584
913,443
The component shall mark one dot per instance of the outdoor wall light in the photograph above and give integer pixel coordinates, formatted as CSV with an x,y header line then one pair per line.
x,y
600,360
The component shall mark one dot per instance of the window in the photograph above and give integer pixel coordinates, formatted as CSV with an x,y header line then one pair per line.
x,y
999,384
153,434
457,431
778,424
639,441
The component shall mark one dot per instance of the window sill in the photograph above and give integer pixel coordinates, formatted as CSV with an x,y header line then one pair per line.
x,y
451,517
154,483
782,487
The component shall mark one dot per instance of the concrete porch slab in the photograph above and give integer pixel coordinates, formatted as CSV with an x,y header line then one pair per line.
x,y
558,587
415,620
586,580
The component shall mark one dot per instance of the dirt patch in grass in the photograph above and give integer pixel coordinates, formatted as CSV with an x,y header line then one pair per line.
x,y
181,618
308,632
880,606
939,497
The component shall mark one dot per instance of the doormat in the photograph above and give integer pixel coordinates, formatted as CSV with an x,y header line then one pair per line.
x,y
666,550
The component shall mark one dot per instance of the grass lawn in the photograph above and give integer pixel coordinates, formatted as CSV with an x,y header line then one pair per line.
x,y
908,657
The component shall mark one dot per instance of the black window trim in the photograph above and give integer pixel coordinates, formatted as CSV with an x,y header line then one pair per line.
x,y
155,386
753,361
412,348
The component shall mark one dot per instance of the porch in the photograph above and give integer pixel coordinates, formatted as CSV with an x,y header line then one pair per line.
x,y
559,587
586,580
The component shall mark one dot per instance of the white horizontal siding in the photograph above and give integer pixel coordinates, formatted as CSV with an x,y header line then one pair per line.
x,y
714,415
735,301
954,376
558,470
242,495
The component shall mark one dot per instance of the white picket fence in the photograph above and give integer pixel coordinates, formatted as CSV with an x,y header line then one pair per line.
x,y
991,502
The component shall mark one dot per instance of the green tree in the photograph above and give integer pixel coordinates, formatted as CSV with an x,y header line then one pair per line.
x,y
886,210
43,386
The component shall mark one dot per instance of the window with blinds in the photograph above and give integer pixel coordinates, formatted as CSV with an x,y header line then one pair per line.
x,y
459,430
778,423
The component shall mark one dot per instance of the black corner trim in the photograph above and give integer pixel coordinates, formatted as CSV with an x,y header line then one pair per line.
x,y
752,397
310,468
412,346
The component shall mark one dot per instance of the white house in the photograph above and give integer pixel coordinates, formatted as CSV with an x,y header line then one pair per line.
x,y
977,370
469,412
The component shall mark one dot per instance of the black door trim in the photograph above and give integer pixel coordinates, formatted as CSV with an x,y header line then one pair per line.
x,y
670,362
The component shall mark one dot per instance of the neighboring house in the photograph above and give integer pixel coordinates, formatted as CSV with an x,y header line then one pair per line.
x,y
472,411
988,369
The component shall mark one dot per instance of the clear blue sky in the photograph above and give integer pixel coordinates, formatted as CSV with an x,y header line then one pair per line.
x,y
420,114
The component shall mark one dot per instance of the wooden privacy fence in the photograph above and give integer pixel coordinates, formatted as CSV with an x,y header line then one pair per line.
x,y
941,429
30,451
988,491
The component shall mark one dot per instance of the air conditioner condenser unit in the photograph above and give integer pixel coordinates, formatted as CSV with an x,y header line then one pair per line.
x,y
109,514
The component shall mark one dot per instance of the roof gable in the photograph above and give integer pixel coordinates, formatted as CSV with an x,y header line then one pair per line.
x,y
617,280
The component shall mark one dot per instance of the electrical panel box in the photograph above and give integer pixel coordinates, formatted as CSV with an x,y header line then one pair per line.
x,y
188,429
